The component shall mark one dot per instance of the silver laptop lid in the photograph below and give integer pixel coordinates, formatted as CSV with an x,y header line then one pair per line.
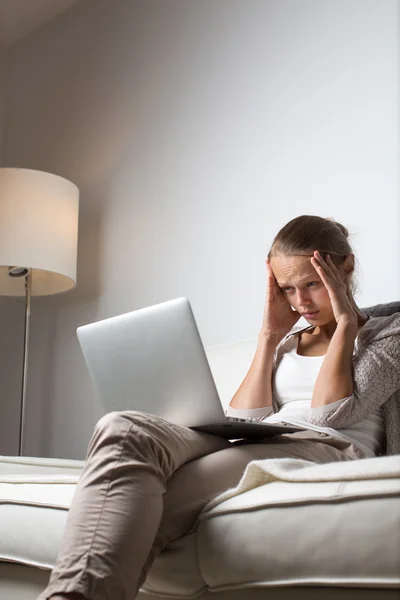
x,y
152,360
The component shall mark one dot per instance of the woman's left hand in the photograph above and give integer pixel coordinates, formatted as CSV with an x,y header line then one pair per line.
x,y
337,289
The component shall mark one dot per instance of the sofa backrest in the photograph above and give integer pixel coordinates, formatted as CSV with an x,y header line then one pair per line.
x,y
229,363
382,310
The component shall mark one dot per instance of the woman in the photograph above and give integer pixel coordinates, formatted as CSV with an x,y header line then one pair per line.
x,y
146,480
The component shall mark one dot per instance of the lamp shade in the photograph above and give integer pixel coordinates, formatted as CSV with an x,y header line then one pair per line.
x,y
38,231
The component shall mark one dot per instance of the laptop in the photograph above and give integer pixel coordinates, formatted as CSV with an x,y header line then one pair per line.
x,y
152,360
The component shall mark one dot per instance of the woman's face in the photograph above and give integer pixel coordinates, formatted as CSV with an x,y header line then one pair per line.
x,y
302,287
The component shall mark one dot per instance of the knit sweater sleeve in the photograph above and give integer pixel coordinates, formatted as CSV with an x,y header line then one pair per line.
x,y
376,377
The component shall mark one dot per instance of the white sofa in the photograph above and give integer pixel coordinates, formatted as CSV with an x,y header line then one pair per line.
x,y
281,540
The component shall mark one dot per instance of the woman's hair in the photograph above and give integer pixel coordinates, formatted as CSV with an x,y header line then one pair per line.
x,y
307,233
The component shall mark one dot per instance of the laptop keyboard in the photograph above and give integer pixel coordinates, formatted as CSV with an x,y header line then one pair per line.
x,y
280,423
244,420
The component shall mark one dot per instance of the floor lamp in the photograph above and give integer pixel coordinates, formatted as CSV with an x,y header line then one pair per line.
x,y
38,244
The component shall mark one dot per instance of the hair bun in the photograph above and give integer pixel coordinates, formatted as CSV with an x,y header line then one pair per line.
x,y
342,228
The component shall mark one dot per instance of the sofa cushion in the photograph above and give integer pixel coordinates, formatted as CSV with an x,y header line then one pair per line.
x,y
277,534
333,524
35,495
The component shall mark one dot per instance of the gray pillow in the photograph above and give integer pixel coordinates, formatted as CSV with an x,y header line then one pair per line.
x,y
382,310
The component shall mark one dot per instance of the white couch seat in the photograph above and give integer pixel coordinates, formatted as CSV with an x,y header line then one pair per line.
x,y
277,534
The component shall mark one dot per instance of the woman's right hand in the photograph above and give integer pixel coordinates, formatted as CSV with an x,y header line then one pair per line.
x,y
279,317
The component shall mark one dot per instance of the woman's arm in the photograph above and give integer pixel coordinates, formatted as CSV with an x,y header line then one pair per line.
x,y
254,396
335,378
376,377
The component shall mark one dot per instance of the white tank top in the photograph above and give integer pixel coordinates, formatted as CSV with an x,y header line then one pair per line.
x,y
293,386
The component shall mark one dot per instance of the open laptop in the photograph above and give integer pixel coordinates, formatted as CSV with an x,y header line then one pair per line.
x,y
152,360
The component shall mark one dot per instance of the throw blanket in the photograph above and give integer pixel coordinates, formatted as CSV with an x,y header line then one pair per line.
x,y
261,472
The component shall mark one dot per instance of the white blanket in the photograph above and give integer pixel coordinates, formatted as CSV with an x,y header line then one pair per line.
x,y
296,470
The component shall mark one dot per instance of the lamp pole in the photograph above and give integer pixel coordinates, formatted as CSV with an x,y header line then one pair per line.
x,y
28,284
24,272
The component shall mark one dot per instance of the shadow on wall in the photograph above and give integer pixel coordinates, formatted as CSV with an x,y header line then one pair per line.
x,y
90,251
40,375
56,321
12,319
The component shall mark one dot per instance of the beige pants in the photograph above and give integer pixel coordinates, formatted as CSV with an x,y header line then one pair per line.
x,y
143,485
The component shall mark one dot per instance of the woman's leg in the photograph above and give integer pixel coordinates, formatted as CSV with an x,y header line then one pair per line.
x,y
116,525
198,482
118,503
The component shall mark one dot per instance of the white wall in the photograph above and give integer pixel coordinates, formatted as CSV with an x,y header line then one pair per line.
x,y
195,130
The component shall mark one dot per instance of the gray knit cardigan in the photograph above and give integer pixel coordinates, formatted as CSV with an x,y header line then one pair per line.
x,y
376,377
